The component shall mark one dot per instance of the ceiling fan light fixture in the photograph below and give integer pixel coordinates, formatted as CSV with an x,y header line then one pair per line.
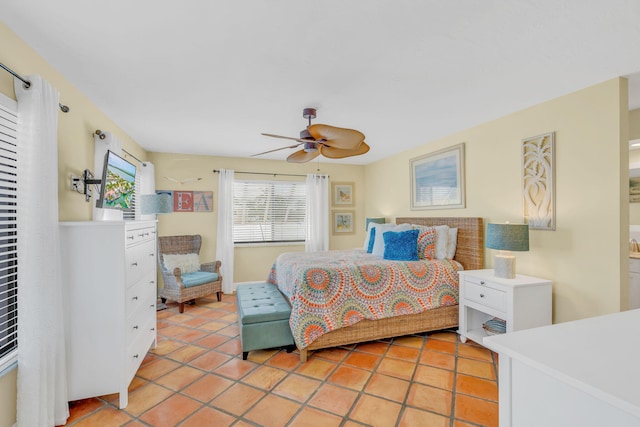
x,y
305,134
310,146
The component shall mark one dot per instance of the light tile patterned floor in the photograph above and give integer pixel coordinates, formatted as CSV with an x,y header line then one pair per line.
x,y
196,377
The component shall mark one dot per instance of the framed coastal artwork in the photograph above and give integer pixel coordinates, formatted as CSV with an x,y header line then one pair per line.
x,y
343,222
538,182
437,179
342,194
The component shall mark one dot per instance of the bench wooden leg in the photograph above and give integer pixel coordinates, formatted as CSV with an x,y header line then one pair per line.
x,y
303,355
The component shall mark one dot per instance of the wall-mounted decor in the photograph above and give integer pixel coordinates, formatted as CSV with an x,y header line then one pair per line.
x,y
203,201
183,201
190,201
437,179
538,180
343,222
634,184
342,193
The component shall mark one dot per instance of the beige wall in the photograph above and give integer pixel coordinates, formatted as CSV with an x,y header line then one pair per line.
x,y
251,263
583,256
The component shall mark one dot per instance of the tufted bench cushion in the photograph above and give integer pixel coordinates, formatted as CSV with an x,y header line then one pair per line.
x,y
263,317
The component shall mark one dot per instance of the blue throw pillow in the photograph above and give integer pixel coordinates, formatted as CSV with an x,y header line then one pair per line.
x,y
372,239
401,246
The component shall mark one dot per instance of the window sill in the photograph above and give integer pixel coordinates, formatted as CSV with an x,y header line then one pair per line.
x,y
258,245
8,363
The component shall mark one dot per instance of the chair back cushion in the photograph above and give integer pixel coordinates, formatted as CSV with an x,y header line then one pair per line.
x,y
187,263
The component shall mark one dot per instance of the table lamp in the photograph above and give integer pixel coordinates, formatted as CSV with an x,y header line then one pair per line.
x,y
506,238
375,221
155,204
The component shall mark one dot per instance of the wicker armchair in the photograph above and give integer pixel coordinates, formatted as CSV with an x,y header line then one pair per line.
x,y
174,281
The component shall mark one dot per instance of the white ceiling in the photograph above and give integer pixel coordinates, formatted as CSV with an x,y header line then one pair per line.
x,y
207,77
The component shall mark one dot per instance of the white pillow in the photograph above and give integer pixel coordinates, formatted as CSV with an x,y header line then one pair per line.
x,y
187,263
452,243
442,238
378,242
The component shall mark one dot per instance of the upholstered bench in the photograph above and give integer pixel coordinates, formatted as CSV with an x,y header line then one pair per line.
x,y
263,317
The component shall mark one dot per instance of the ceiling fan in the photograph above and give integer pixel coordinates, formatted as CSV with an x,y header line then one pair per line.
x,y
330,141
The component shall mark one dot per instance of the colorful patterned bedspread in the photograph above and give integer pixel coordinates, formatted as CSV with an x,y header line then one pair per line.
x,y
333,289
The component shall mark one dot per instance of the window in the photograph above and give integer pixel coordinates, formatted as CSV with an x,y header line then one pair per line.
x,y
8,236
269,211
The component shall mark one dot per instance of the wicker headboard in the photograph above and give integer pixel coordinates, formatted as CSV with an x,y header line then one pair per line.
x,y
470,246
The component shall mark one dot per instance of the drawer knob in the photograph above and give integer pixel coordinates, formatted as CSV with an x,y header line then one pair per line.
x,y
134,264
152,254
482,282
135,356
135,327
152,306
130,237
152,282
481,295
135,298
153,329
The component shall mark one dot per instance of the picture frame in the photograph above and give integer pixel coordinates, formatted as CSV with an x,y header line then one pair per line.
x,y
538,182
342,194
343,222
634,183
437,179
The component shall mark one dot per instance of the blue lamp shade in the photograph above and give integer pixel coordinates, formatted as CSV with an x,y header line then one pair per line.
x,y
155,204
508,237
374,220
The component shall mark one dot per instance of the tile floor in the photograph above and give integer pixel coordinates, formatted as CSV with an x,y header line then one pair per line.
x,y
196,377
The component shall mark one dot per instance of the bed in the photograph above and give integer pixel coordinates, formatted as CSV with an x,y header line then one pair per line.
x,y
314,328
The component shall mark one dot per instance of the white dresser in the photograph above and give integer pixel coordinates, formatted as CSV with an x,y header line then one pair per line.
x,y
109,281
581,373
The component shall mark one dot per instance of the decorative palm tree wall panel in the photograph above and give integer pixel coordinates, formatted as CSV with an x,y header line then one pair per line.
x,y
538,182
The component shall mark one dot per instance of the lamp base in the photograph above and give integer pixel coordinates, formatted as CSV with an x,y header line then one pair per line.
x,y
504,266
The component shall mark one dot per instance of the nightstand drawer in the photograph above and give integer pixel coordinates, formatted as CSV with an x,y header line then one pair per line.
x,y
486,296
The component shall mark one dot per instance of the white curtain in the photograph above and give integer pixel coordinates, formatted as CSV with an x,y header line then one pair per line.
x,y
317,213
42,385
147,176
224,243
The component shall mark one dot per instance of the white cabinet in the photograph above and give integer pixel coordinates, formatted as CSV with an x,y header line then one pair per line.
x,y
634,283
109,282
523,302
581,373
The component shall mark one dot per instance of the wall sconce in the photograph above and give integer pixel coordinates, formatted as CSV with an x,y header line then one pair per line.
x,y
506,238
155,204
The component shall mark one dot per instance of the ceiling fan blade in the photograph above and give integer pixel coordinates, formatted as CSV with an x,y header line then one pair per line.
x,y
338,153
277,149
285,137
346,139
303,156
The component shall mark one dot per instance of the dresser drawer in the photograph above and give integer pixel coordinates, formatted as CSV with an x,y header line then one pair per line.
x,y
143,292
139,260
139,235
489,297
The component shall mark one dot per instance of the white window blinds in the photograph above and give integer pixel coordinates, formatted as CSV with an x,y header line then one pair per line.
x,y
8,235
269,211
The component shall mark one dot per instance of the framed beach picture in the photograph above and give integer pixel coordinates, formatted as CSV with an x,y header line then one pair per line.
x,y
437,179
342,194
343,222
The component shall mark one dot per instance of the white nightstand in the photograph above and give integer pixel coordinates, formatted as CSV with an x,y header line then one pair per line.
x,y
523,302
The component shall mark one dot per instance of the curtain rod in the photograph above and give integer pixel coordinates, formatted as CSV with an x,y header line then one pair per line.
x,y
27,84
131,155
266,173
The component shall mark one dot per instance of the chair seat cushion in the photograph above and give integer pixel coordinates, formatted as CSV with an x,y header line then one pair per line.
x,y
198,278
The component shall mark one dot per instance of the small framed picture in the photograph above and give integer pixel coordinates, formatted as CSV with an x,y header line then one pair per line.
x,y
342,194
343,222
